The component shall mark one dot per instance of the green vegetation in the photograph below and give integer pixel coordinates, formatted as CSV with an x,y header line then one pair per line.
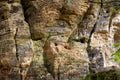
x,y
116,55
105,75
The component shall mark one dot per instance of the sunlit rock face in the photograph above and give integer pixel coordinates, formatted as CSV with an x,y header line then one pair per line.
x,y
102,40
15,44
66,60
54,17
53,22
56,39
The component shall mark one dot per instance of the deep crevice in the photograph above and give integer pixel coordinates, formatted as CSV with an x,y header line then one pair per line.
x,y
24,8
100,12
110,22
89,40
92,31
17,56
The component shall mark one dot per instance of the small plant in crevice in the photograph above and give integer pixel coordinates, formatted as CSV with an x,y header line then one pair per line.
x,y
116,55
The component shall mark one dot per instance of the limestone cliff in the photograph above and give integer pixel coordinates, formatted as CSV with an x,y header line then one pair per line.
x,y
56,39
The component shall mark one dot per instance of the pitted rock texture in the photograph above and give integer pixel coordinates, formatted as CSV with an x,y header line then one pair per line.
x,y
63,60
15,43
56,39
53,17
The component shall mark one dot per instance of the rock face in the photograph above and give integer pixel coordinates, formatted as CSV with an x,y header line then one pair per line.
x,y
66,61
15,43
56,39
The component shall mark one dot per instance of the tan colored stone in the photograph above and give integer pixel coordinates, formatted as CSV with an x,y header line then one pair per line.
x,y
59,14
59,55
15,44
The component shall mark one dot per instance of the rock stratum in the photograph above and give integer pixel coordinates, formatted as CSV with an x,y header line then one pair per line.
x,y
56,39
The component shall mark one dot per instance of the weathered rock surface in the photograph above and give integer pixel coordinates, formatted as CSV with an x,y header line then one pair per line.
x,y
66,61
56,39
15,44
53,17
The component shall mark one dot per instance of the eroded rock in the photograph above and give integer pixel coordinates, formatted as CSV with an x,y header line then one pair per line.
x,y
70,38
54,16
65,60
15,43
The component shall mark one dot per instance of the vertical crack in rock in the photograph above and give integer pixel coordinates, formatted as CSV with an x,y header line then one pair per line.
x,y
24,8
23,43
37,64
48,19
111,18
88,45
51,23
89,40
93,29
110,22
89,49
97,54
17,55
